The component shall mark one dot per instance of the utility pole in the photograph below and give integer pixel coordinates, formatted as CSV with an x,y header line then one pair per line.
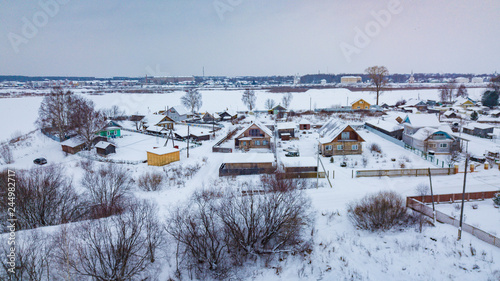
x,y
463,199
432,198
188,137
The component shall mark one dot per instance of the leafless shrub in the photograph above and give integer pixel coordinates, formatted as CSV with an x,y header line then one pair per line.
x,y
121,247
44,196
374,147
6,154
380,211
150,181
197,229
31,260
107,189
278,182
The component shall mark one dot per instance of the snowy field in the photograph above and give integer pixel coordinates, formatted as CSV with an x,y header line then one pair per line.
x,y
339,250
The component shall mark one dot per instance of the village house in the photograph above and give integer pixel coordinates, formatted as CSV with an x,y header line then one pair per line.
x,y
157,120
111,130
254,135
425,133
464,102
337,138
360,104
195,133
177,113
390,128
209,118
227,115
278,111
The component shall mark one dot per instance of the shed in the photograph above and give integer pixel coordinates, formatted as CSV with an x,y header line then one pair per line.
x,y
73,145
299,164
247,164
162,156
104,148
304,125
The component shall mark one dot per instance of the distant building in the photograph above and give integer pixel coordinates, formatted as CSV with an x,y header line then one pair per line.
x,y
171,79
461,80
477,80
411,79
350,79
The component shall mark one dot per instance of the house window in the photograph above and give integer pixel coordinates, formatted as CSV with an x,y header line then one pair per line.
x,y
328,147
443,145
432,145
354,147
345,135
361,102
244,143
264,142
359,107
257,142
366,107
254,132
340,147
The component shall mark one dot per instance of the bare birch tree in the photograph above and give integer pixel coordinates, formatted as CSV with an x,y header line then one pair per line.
x,y
249,98
192,100
378,76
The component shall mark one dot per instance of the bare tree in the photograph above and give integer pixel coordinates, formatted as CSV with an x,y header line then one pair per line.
x,y
45,196
86,120
122,247
270,103
32,257
287,99
150,181
446,92
378,76
192,100
6,153
55,110
107,188
249,98
462,92
114,112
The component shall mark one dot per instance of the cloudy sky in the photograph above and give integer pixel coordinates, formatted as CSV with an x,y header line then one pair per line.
x,y
106,38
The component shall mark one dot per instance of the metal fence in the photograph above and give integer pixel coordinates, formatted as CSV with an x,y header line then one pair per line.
x,y
418,206
384,136
404,172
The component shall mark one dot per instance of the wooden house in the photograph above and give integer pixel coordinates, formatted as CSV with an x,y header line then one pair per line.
x,y
254,135
227,115
392,129
195,133
360,104
162,156
304,125
451,114
157,120
105,148
73,145
495,113
464,102
209,118
236,164
279,111
425,133
111,130
337,138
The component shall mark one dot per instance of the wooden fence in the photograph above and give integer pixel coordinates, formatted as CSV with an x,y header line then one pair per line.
x,y
223,171
217,148
418,206
452,197
304,175
404,172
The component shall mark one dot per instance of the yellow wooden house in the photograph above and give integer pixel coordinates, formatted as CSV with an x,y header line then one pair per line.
x,y
360,104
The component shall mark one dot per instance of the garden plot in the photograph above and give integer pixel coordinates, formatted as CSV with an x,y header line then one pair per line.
x,y
480,214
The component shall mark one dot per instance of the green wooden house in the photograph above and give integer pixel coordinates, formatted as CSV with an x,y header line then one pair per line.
x,y
112,130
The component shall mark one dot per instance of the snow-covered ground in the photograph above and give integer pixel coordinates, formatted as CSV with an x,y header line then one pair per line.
x,y
340,252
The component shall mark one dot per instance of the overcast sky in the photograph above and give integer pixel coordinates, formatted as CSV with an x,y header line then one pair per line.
x,y
105,38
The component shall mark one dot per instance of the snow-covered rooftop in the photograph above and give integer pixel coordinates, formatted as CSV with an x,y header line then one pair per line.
x,y
386,125
422,120
103,144
299,162
287,125
249,158
73,142
162,150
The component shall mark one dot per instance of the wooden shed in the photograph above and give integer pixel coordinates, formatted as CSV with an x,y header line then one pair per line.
x,y
236,164
162,156
305,125
104,148
73,145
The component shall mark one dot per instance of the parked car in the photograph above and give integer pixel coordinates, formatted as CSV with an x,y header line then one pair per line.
x,y
292,154
40,161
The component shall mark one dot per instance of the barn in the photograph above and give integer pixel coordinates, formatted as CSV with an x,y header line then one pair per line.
x,y
73,145
105,148
162,156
